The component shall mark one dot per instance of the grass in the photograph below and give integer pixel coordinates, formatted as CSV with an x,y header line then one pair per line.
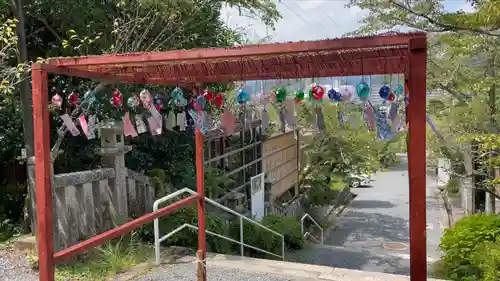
x,y
103,262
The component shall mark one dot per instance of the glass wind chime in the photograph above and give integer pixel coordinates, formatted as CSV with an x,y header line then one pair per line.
x,y
142,112
387,121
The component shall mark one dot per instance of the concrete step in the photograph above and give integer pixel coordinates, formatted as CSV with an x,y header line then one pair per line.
x,y
227,268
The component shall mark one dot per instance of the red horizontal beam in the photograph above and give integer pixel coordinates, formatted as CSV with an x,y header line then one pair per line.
x,y
354,68
244,51
120,230
87,74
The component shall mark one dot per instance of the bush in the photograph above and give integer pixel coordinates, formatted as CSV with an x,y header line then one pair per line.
x,y
188,237
253,235
463,241
487,259
289,227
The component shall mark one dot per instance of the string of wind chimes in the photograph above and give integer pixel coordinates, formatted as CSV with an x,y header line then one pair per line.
x,y
206,109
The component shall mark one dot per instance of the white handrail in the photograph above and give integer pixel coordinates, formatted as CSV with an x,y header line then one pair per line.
x,y
306,215
312,237
159,239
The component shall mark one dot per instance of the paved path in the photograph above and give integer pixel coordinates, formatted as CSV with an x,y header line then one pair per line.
x,y
379,214
233,268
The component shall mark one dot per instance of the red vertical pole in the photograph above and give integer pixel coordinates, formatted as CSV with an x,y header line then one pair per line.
x,y
43,173
200,176
417,158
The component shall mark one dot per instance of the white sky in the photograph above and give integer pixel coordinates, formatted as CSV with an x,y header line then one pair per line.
x,y
312,19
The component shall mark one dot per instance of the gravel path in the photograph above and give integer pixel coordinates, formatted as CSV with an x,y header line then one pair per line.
x,y
15,267
187,272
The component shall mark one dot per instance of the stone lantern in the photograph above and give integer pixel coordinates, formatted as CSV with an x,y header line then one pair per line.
x,y
113,150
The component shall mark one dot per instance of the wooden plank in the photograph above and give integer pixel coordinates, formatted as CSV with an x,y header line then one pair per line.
x,y
250,50
138,176
150,198
110,214
77,178
85,197
71,210
141,197
98,206
61,230
132,198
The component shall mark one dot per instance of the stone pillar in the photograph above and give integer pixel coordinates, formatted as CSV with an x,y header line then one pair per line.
x,y
113,152
490,203
490,200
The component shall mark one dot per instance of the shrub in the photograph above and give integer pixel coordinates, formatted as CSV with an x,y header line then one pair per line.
x,y
188,237
487,259
289,227
253,235
463,241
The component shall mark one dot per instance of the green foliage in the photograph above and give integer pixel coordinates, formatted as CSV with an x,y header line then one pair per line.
x,y
321,193
488,260
106,261
462,242
289,227
60,28
388,149
217,183
339,150
453,186
230,227
462,63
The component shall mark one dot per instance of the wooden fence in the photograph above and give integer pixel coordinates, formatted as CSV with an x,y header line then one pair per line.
x,y
87,203
281,164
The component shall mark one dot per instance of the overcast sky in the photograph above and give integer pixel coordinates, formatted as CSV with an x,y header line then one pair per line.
x,y
311,19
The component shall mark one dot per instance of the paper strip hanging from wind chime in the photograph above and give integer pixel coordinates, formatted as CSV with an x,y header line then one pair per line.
x,y
68,122
264,116
128,127
155,120
384,130
369,115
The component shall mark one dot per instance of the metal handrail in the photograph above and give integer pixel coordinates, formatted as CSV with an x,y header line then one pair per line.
x,y
159,239
306,215
312,237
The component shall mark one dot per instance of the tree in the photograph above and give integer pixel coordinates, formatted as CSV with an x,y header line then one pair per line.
x,y
72,28
341,149
462,63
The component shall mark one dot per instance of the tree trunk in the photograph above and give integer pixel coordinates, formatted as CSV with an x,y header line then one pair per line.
x,y
25,93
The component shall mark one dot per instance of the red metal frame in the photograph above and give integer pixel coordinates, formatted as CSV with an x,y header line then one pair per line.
x,y
392,54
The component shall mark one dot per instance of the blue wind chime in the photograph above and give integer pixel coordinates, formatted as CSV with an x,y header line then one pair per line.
x,y
386,118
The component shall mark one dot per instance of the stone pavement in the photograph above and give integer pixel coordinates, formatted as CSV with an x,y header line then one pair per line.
x,y
233,268
373,232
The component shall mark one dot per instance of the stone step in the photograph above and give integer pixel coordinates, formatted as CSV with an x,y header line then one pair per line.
x,y
297,271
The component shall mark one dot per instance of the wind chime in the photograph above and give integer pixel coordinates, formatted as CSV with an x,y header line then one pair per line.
x,y
363,90
286,106
139,108
88,126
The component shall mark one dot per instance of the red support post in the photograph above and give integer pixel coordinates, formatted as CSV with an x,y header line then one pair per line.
x,y
417,158
43,173
200,181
